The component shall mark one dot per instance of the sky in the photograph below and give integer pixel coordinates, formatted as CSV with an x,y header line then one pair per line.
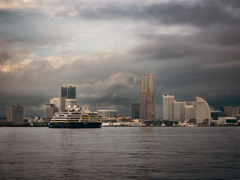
x,y
102,47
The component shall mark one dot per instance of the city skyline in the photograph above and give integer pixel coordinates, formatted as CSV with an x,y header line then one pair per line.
x,y
102,48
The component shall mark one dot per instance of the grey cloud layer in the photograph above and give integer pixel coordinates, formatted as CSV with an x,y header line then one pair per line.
x,y
204,62
199,13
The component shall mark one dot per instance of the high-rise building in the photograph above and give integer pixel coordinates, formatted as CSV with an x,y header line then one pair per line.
x,y
55,102
15,113
69,92
179,110
203,114
190,112
147,104
64,91
50,110
61,103
168,107
70,103
135,110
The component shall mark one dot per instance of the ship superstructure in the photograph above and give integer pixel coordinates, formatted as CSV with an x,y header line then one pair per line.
x,y
76,117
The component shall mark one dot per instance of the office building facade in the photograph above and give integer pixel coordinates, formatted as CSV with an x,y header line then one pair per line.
x,y
15,113
179,110
147,104
190,113
216,114
68,92
168,107
50,110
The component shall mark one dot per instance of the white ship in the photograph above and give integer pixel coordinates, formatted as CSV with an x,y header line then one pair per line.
x,y
76,118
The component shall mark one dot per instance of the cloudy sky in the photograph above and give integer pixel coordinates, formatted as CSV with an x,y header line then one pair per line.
x,y
191,46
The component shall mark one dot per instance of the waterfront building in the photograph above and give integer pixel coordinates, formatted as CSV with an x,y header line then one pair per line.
x,y
108,113
168,107
191,103
120,115
216,114
238,116
147,104
190,112
15,113
227,121
228,111
135,110
70,103
68,92
222,108
203,115
179,110
50,110
236,111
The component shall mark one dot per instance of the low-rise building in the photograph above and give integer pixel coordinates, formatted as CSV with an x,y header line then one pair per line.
x,y
227,121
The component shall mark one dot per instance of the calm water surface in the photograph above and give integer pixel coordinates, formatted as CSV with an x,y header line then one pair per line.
x,y
120,153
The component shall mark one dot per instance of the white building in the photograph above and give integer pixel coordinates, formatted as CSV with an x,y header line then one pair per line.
x,y
70,103
59,103
168,107
15,113
227,121
108,113
191,103
179,110
55,101
202,111
189,112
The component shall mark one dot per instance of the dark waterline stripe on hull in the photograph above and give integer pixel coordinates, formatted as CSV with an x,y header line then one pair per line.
x,y
75,125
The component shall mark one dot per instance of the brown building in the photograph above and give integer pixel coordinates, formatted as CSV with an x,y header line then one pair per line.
x,y
15,113
147,104
50,110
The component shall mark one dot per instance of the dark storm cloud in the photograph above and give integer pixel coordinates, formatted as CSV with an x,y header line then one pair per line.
x,y
198,13
204,62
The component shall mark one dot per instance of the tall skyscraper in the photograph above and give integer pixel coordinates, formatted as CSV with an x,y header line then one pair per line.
x,y
190,111
15,113
179,110
69,92
168,107
135,110
64,91
147,104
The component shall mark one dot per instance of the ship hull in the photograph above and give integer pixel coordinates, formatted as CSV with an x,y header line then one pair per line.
x,y
75,125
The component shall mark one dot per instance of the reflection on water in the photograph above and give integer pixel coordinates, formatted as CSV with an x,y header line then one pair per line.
x,y
120,153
